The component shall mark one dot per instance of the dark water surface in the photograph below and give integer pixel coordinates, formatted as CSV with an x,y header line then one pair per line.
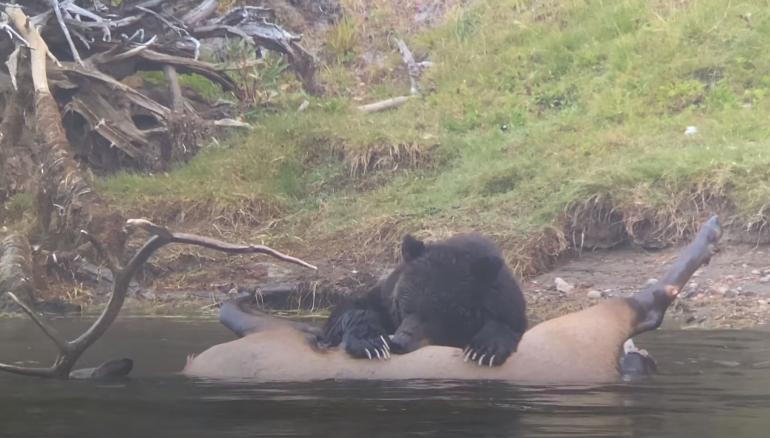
x,y
714,383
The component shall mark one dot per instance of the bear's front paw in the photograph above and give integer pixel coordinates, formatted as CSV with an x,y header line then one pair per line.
x,y
371,348
491,347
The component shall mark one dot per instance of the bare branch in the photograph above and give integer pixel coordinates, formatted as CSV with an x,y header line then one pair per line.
x,y
37,45
49,331
66,31
200,12
207,242
12,64
232,123
112,264
110,56
192,239
179,31
10,30
411,66
177,100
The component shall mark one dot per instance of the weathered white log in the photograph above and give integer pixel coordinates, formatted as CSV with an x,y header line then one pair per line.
x,y
393,102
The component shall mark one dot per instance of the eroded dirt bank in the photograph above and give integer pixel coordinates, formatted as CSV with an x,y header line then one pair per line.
x,y
732,292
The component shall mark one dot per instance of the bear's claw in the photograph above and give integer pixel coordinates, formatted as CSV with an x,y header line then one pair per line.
x,y
492,345
471,354
372,348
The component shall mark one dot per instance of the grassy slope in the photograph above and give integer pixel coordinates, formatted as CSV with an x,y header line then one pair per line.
x,y
534,110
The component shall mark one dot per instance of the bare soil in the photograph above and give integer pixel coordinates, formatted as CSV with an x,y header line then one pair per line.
x,y
731,292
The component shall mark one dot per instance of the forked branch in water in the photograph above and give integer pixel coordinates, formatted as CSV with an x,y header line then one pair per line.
x,y
70,351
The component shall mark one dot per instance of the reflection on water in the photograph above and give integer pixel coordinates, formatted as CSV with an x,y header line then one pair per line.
x,y
713,384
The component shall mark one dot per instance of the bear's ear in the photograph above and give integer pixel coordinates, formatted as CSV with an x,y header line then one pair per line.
x,y
411,248
486,268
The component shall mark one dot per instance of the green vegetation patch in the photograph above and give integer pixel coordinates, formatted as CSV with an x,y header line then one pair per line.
x,y
533,108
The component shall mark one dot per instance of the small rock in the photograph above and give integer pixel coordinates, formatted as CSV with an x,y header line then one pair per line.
x,y
731,293
594,294
762,302
563,286
721,290
729,277
693,285
651,281
727,363
765,279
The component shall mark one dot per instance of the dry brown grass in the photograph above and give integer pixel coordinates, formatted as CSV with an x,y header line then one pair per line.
x,y
184,212
385,157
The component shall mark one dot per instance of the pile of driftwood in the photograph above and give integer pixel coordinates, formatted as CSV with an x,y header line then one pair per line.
x,y
69,106
92,48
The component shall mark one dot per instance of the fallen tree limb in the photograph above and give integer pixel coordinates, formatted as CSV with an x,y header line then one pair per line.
x,y
412,68
393,102
67,201
70,351
16,266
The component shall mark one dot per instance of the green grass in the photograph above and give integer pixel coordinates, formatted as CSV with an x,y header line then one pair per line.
x,y
535,107
16,208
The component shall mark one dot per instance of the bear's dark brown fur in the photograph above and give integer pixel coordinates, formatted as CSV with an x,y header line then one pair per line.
x,y
456,292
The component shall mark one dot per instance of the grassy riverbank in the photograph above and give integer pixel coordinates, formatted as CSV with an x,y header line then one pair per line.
x,y
543,123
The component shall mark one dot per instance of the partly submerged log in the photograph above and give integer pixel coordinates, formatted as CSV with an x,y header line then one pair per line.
x,y
580,347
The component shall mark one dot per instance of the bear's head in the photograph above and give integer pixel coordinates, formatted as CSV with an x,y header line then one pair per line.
x,y
439,293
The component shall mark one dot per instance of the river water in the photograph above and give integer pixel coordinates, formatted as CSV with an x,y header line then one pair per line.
x,y
713,384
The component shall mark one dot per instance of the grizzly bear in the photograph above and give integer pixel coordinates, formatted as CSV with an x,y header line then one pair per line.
x,y
457,292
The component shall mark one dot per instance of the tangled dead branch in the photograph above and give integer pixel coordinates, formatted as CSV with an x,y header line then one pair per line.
x,y
114,118
70,351
75,102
